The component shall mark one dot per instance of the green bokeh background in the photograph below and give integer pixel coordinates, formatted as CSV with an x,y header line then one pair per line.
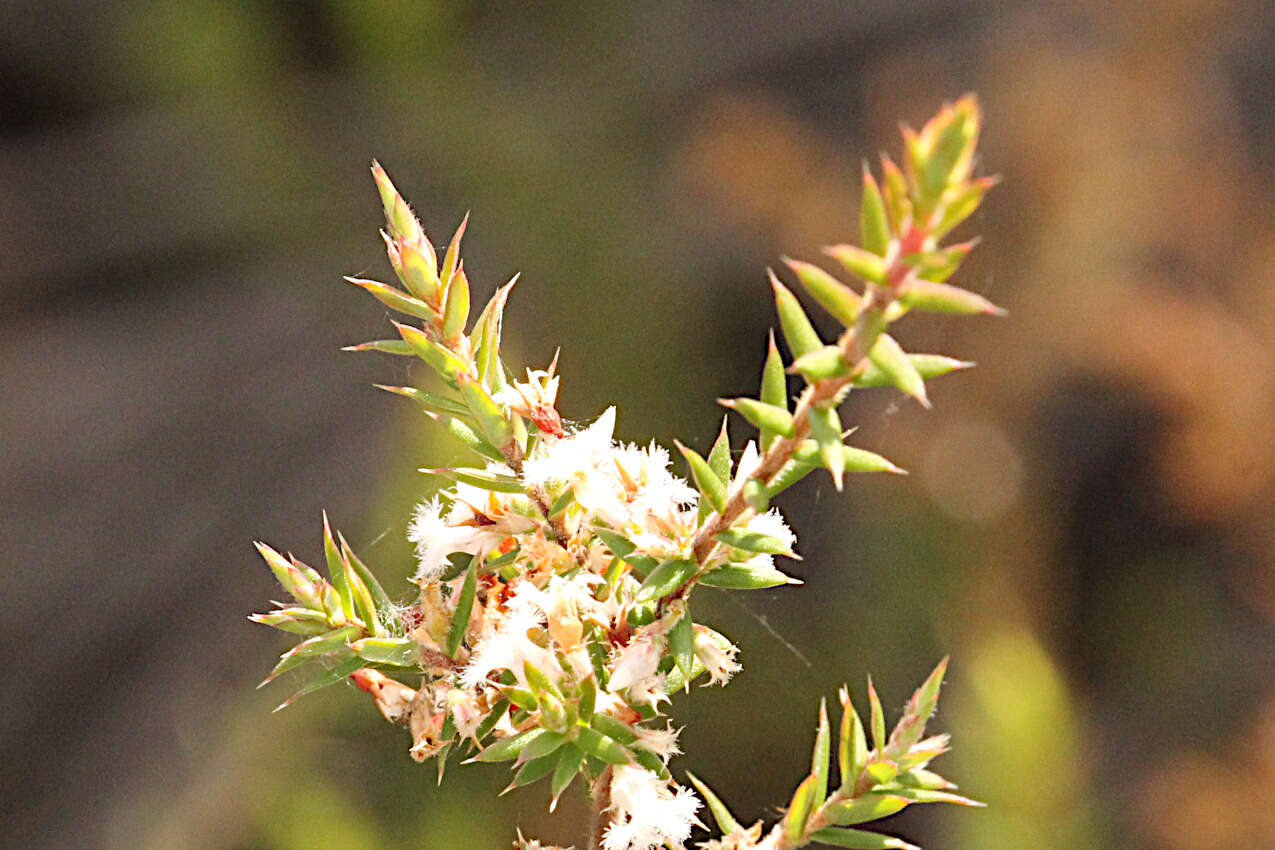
x,y
1086,529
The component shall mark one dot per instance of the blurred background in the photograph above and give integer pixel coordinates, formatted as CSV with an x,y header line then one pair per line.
x,y
1088,528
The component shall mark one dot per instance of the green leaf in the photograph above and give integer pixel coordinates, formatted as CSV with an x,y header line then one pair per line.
x,y
681,643
418,271
752,541
931,297
565,500
328,677
491,418
726,822
400,347
833,295
565,771
927,696
336,569
826,362
539,683
479,478
825,427
918,710
865,808
745,577
820,759
432,402
544,745
451,260
385,610
489,722
397,214
862,460
857,839
532,771
464,606
789,474
486,333
665,579
719,455
858,262
768,418
600,746
963,205
395,298
853,746
612,728
706,481
460,429
521,697
619,545
456,308
588,700
651,762
395,651
878,718
798,332
719,463
874,228
794,822
756,495
882,772
894,191
774,383
952,148
887,356
312,648
291,579
927,365
508,748
448,366
926,795
294,620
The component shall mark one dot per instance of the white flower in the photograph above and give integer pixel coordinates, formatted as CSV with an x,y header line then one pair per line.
x,y
662,742
648,813
717,655
566,459
465,711
772,524
634,663
436,538
508,646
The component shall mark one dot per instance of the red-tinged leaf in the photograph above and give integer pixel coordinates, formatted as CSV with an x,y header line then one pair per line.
x,y
395,299
336,570
399,347
451,260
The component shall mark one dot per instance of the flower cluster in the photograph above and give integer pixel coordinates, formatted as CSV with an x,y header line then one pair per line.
x,y
552,620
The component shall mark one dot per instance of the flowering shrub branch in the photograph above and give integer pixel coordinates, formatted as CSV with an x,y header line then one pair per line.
x,y
555,575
